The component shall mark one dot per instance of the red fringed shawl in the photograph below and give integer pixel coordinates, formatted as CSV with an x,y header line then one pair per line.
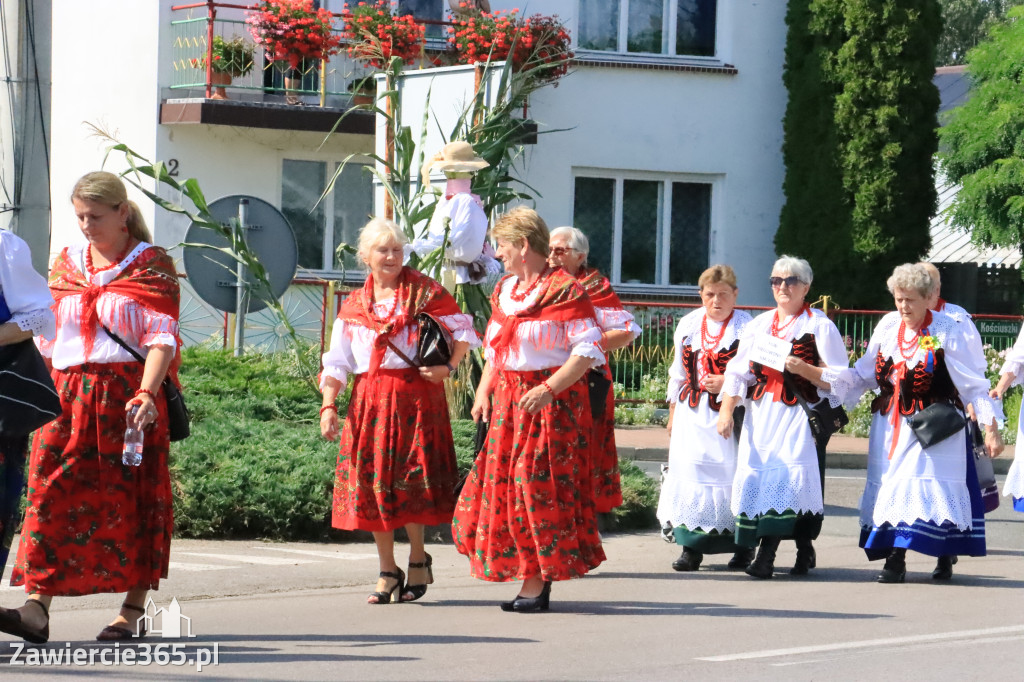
x,y
416,293
150,280
561,299
598,288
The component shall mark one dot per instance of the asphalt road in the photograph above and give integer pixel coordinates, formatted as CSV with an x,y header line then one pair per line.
x,y
297,611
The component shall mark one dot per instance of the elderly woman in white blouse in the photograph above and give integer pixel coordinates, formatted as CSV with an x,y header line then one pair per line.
x,y
396,465
527,511
919,497
25,302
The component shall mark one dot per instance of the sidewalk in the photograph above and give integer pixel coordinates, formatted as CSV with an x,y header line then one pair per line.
x,y
650,444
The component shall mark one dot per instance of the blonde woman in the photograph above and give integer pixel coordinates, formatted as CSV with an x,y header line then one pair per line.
x,y
92,524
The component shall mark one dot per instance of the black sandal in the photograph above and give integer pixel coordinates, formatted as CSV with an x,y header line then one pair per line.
x,y
417,591
11,623
388,597
116,633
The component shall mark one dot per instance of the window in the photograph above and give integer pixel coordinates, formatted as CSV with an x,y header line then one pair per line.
x,y
664,27
431,10
337,220
645,230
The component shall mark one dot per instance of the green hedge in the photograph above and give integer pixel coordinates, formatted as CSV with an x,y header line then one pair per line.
x,y
256,465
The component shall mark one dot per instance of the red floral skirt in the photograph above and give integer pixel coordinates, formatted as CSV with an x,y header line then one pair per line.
x,y
397,460
92,524
527,507
607,488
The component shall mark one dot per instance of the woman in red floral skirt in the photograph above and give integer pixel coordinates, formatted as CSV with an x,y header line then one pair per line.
x,y
93,524
569,250
396,466
527,510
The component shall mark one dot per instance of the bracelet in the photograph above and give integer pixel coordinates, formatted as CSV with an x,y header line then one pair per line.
x,y
451,370
332,406
547,386
143,391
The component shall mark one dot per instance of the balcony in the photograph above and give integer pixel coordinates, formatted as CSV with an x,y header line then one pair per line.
x,y
320,91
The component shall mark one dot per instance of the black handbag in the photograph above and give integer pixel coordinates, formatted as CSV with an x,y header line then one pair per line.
x,y
598,385
178,417
823,419
936,423
434,343
982,462
28,399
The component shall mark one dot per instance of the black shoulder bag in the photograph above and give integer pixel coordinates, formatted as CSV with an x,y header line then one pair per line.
x,y
823,419
28,399
177,414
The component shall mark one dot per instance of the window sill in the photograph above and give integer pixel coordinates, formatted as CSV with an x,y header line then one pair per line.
x,y
617,60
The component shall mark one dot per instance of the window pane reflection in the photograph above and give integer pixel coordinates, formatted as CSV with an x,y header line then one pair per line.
x,y
599,25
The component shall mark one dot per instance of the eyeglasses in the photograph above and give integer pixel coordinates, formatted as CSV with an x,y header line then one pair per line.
x,y
561,250
790,281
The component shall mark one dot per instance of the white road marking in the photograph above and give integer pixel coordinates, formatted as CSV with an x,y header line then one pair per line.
x,y
251,559
344,556
864,644
920,646
187,566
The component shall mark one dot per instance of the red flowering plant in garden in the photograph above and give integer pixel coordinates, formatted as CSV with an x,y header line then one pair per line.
x,y
539,44
293,30
376,33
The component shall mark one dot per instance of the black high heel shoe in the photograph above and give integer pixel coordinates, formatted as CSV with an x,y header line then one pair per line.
x,y
418,591
389,596
527,604
11,623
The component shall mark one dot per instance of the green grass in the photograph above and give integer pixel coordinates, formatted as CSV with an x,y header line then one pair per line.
x,y
256,465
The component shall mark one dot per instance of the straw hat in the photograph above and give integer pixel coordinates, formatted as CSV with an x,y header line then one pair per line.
x,y
458,157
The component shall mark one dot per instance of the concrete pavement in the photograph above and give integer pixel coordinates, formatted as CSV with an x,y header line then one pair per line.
x,y
297,611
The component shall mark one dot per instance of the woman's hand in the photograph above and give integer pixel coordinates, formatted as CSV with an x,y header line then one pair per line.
x,y
713,383
993,441
481,406
795,365
1004,383
725,424
147,412
435,374
329,425
535,399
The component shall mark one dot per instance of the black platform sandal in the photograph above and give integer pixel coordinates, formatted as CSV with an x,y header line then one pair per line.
x,y
389,596
11,623
417,591
116,633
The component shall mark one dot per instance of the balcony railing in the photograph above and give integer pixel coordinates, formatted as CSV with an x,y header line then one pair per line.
x,y
193,28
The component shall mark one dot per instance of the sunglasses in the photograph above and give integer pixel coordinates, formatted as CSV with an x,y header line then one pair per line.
x,y
790,281
561,250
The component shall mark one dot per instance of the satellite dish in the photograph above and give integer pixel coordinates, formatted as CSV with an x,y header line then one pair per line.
x,y
214,274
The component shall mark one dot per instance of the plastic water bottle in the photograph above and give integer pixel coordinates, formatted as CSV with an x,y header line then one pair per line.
x,y
132,454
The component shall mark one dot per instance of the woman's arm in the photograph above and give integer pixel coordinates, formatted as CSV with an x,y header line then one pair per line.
x,y
567,375
482,402
12,333
329,410
616,338
158,360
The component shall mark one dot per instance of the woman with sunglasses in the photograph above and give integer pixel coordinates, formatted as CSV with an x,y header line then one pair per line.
x,y
569,250
777,489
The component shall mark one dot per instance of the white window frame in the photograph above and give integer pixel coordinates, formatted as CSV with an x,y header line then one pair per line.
x,y
668,16
665,216
325,271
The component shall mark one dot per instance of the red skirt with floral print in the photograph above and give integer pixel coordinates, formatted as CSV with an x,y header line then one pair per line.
x,y
397,460
607,487
92,524
527,507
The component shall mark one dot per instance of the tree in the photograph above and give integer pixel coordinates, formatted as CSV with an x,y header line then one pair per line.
x,y
860,135
965,24
983,143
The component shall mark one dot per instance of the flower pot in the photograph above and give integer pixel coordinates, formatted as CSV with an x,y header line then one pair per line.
x,y
218,79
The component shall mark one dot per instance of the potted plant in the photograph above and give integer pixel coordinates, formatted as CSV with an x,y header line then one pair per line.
x,y
231,59
293,32
363,90
376,33
538,44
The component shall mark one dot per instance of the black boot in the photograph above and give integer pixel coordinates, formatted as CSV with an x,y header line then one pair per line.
x,y
806,558
689,560
944,567
741,559
895,569
764,563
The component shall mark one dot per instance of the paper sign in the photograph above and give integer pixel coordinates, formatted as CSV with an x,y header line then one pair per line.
x,y
771,351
